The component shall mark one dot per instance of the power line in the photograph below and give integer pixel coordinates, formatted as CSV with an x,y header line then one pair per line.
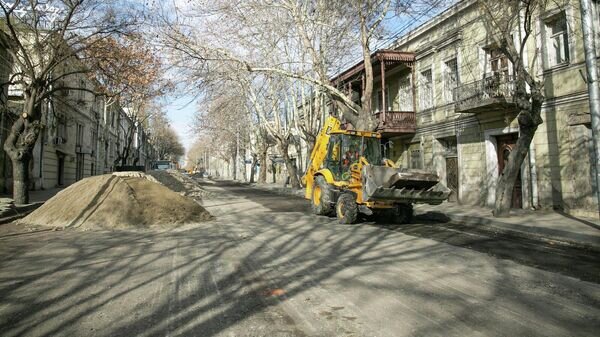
x,y
395,34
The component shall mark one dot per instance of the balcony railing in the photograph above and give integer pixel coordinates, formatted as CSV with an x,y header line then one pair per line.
x,y
491,93
396,122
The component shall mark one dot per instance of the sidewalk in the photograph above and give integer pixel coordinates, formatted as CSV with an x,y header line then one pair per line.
x,y
541,225
10,212
544,225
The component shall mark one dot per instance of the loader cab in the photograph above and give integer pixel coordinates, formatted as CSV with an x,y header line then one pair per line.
x,y
347,147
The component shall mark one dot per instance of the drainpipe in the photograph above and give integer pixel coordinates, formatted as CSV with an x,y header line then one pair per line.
x,y
42,140
589,46
533,177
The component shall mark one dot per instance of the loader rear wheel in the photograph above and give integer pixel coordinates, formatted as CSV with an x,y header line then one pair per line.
x,y
346,209
321,198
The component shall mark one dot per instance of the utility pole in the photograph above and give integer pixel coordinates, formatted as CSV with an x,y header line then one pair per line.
x,y
589,46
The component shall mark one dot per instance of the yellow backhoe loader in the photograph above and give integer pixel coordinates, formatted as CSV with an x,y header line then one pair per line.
x,y
348,175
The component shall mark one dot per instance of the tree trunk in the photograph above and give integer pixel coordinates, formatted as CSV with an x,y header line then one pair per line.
x,y
19,147
21,179
291,167
299,161
529,117
244,171
262,159
366,121
506,181
310,144
367,91
234,167
253,167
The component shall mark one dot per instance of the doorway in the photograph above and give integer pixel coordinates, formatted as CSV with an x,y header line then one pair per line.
x,y
449,151
60,179
506,144
452,177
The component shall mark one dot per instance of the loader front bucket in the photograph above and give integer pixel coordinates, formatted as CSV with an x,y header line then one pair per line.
x,y
382,183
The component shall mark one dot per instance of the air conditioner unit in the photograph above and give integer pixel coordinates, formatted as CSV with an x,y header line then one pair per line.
x,y
78,149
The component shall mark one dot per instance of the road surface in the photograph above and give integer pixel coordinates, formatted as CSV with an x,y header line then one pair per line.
x,y
267,267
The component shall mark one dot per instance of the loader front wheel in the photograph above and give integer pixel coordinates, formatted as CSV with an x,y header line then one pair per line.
x,y
346,209
403,213
321,203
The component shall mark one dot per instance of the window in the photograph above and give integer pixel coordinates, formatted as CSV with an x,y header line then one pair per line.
x,y
415,159
106,153
94,140
345,150
498,62
334,156
81,93
405,94
61,131
451,79
426,90
79,138
97,107
557,40
449,146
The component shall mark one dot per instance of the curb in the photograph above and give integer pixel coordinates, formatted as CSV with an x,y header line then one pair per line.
x,y
491,225
19,212
280,190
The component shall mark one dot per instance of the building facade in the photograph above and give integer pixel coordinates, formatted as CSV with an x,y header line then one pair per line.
x,y
82,137
442,95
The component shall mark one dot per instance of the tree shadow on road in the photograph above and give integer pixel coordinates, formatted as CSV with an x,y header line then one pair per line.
x,y
271,273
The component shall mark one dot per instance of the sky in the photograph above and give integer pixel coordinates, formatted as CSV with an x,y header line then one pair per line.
x,y
180,112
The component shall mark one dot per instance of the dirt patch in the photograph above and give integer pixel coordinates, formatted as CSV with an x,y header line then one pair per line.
x,y
117,202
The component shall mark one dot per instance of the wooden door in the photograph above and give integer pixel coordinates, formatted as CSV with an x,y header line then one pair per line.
x,y
506,144
452,177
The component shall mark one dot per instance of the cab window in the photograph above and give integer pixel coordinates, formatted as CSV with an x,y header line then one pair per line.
x,y
334,154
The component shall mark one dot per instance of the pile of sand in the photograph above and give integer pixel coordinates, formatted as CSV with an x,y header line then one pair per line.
x,y
117,202
181,183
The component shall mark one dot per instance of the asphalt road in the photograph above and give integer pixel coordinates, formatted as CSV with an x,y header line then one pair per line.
x,y
267,267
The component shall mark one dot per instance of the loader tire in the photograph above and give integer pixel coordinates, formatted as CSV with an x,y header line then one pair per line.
x,y
403,214
346,209
320,201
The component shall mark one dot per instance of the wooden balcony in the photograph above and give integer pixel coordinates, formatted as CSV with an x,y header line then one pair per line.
x,y
488,95
396,123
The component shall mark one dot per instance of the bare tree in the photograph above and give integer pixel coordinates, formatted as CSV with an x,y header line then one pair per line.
x,y
282,54
511,24
130,76
164,138
321,31
222,116
45,40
